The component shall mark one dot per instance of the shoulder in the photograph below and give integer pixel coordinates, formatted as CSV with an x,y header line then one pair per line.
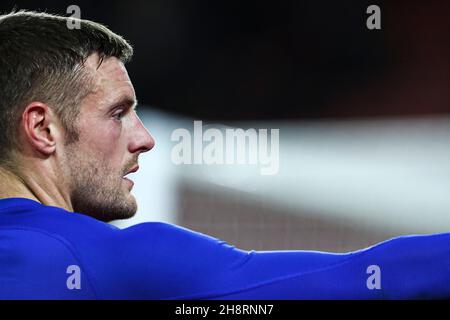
x,y
37,265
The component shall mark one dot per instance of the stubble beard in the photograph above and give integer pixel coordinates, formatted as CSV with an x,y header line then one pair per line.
x,y
97,189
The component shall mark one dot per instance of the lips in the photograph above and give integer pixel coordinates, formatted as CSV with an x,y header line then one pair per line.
x,y
129,182
132,170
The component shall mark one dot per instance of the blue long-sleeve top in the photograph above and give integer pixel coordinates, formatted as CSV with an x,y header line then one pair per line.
x,y
49,253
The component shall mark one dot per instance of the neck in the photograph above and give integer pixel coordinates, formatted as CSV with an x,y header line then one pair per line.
x,y
25,184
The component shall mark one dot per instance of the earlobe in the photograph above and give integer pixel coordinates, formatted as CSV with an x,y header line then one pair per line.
x,y
38,123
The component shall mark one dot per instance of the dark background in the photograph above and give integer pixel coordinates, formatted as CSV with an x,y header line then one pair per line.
x,y
236,60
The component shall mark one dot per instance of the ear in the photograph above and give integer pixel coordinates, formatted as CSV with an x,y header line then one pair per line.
x,y
40,127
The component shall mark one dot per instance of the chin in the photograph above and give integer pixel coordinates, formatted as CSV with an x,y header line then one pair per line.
x,y
125,210
108,210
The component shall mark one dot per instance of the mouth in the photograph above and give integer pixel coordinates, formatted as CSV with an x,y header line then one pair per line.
x,y
127,178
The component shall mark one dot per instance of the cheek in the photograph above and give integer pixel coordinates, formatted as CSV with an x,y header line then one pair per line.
x,y
105,141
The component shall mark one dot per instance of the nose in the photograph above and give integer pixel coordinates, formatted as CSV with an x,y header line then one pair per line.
x,y
142,140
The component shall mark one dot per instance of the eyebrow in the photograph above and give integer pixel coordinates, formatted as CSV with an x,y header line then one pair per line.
x,y
126,100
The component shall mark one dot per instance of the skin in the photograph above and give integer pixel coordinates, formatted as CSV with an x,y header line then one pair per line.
x,y
86,176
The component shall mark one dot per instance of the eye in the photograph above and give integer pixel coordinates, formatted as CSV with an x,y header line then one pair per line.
x,y
118,114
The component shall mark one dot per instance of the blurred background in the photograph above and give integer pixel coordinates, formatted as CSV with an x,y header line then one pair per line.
x,y
364,115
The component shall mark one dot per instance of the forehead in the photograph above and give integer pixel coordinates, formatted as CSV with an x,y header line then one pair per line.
x,y
110,82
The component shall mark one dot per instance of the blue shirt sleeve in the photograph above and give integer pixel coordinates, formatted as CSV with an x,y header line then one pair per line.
x,y
164,261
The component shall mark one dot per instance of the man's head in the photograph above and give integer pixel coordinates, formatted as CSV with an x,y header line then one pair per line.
x,y
67,105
